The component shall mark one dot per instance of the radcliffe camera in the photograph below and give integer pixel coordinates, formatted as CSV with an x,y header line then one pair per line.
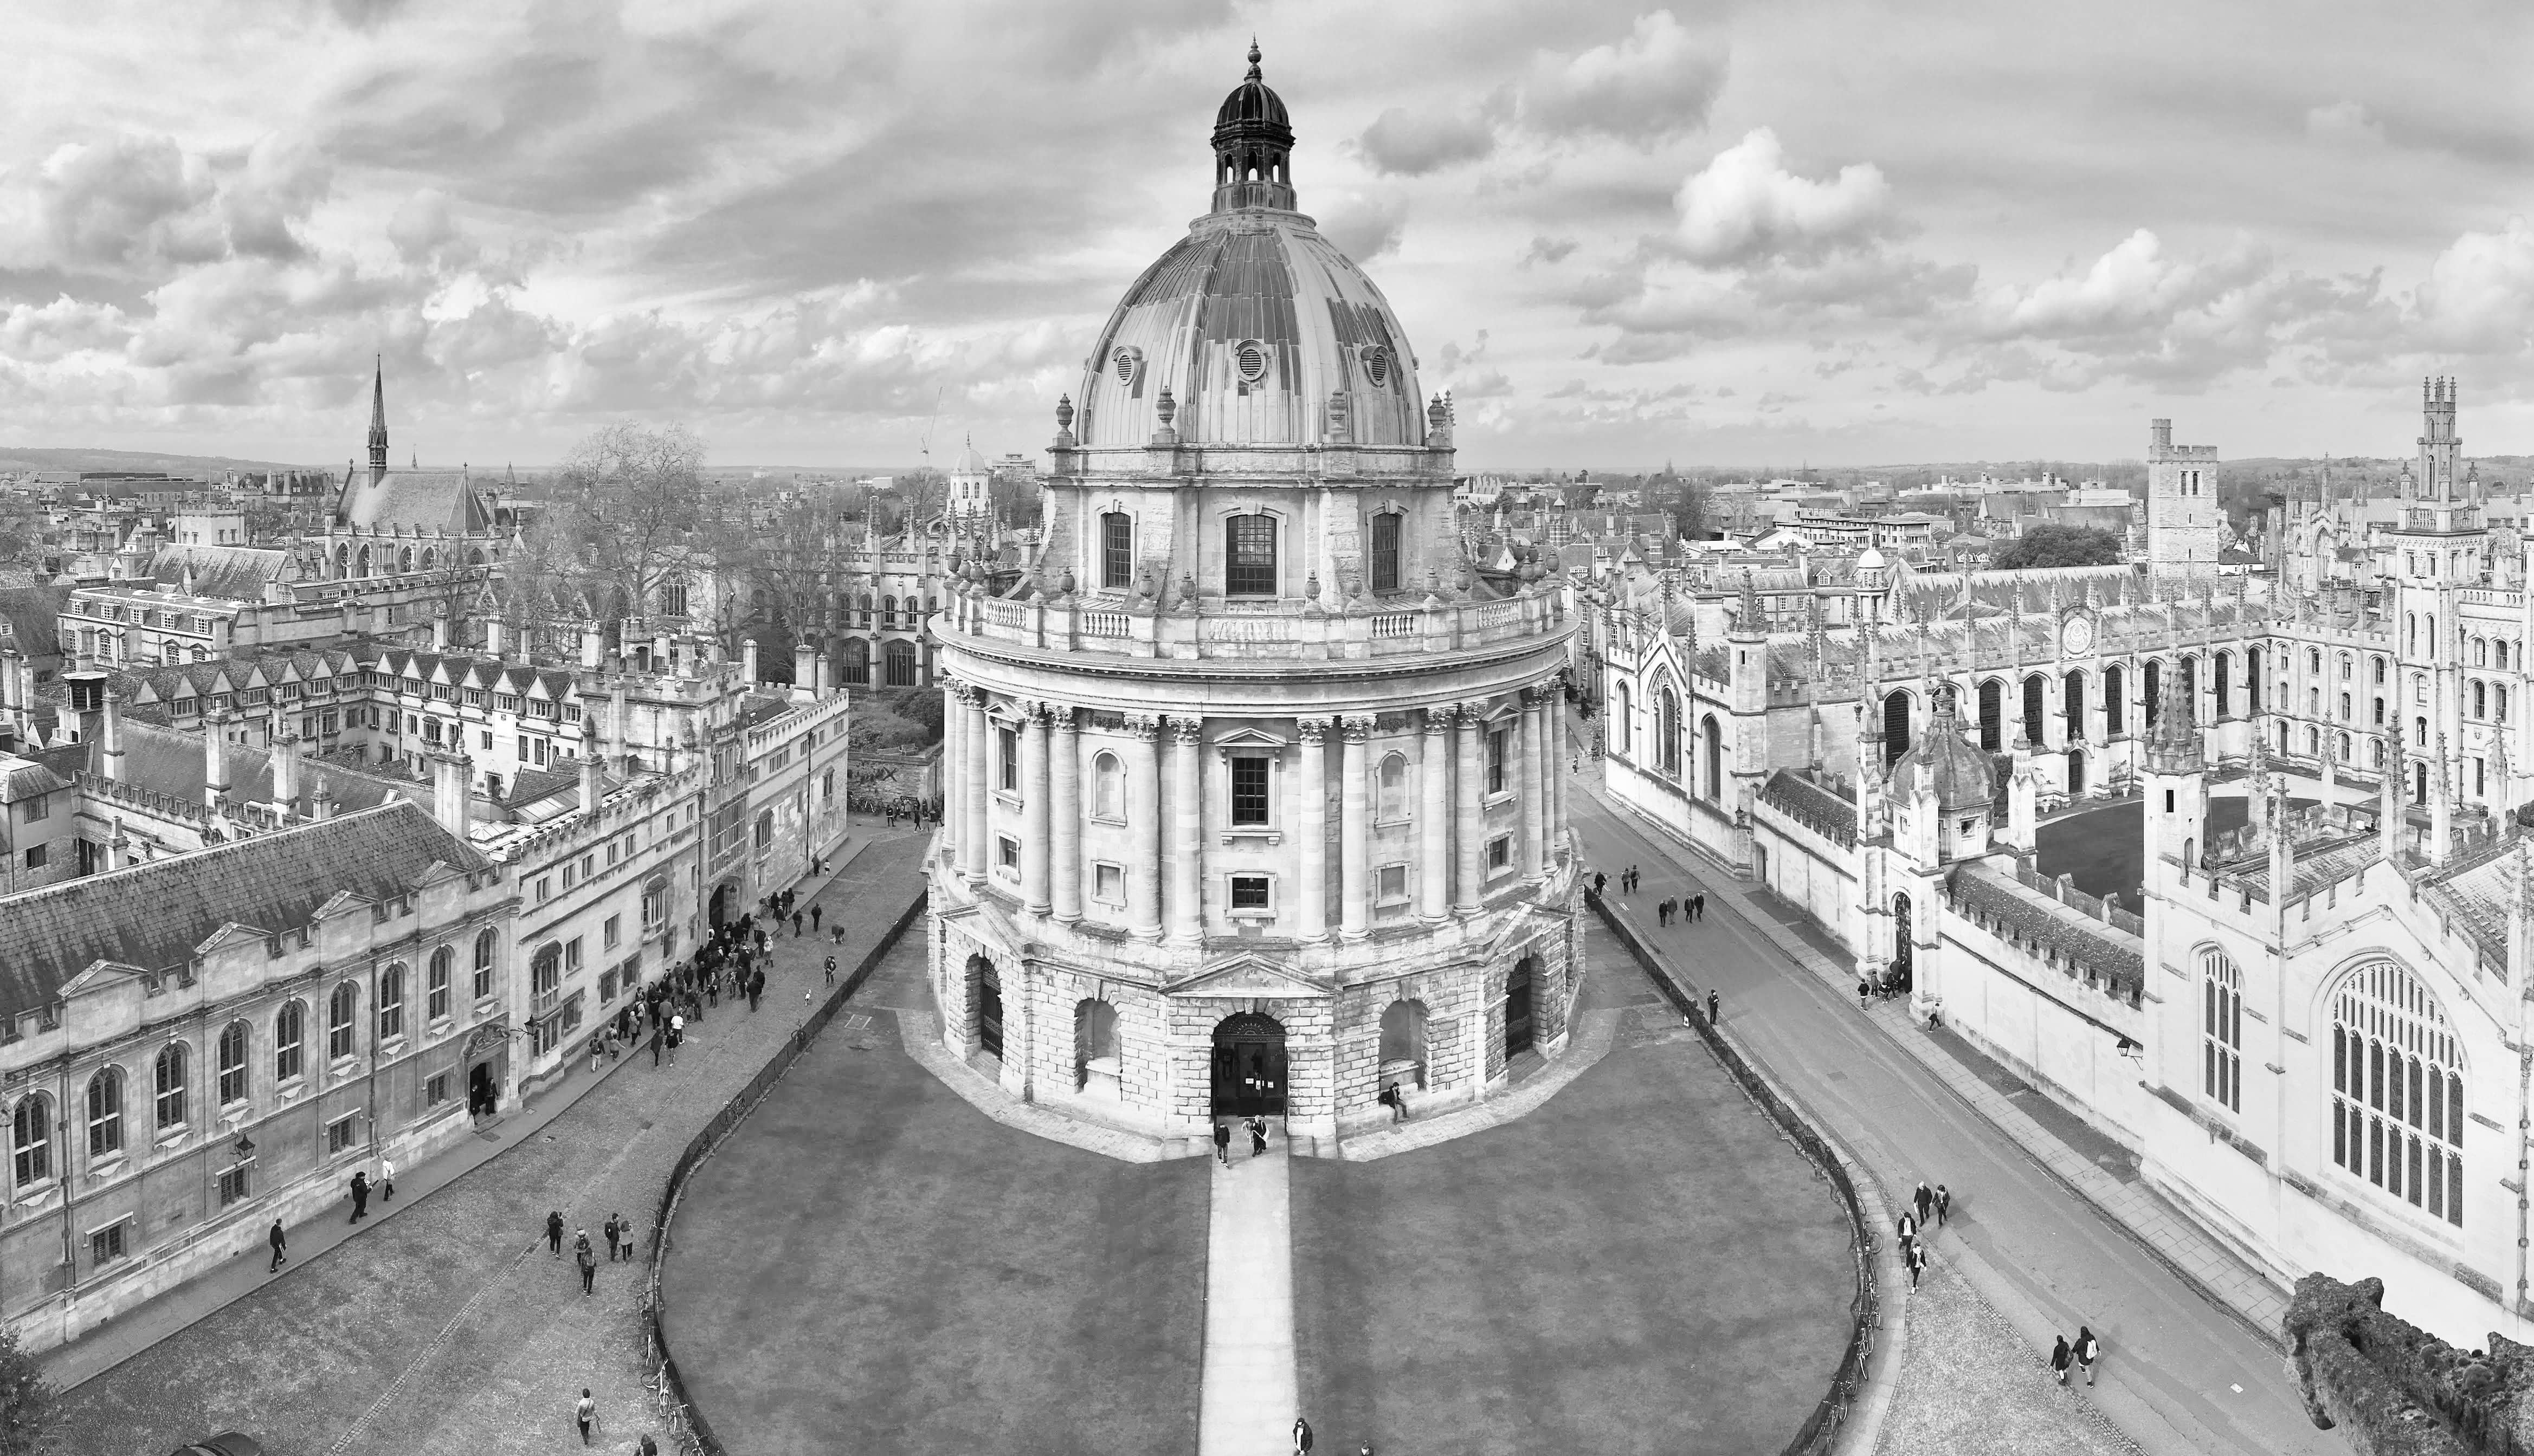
x,y
1282,731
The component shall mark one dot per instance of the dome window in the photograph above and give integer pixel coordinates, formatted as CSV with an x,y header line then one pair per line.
x,y
1127,361
1376,365
1251,360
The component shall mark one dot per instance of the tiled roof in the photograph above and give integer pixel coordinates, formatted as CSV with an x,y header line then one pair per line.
x,y
2316,868
2109,955
173,762
1808,803
34,617
154,915
2482,891
416,500
233,573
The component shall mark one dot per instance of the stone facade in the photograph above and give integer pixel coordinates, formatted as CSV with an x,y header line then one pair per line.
x,y
2184,519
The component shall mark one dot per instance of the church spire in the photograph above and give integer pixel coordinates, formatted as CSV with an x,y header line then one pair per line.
x,y
378,421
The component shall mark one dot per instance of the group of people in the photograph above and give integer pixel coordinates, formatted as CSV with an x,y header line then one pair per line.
x,y
1937,1204
1257,1130
620,1245
1882,985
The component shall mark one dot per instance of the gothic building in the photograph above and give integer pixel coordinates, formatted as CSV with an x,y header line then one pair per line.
x,y
1253,804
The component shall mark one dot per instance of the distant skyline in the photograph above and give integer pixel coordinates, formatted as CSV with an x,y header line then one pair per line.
x,y
1719,234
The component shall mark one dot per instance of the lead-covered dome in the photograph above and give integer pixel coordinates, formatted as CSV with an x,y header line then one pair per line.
x,y
1963,776
1260,329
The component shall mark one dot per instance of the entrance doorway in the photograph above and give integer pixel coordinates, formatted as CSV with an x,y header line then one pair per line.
x,y
2076,774
1249,1066
989,1005
483,1093
1517,1022
1904,957
719,912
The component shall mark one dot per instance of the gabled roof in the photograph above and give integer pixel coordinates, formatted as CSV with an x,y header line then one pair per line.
x,y
414,500
232,573
154,915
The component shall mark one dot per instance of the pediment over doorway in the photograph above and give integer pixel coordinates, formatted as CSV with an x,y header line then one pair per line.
x,y
1245,974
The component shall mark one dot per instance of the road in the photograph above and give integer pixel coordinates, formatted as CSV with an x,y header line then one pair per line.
x,y
2179,1374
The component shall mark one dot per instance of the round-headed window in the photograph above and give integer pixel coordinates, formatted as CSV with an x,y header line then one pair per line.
x,y
1376,365
1251,360
1125,360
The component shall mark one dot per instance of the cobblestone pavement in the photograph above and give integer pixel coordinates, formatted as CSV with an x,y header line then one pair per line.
x,y
1970,1386
450,1328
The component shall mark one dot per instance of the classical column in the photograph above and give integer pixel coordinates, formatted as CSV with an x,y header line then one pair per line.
x,y
1144,824
1470,814
1533,836
1561,751
1036,792
1311,823
1434,815
1354,829
954,762
973,739
1066,870
1188,831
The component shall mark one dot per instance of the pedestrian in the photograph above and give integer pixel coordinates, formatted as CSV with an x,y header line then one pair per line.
x,y
1223,1142
554,1232
625,1225
838,930
756,985
655,1046
1258,1136
360,1197
1917,1261
597,1049
646,1447
1662,911
796,924
1714,1010
1301,1435
281,1246
1864,988
611,1229
1943,1205
586,1412
831,971
2060,1355
1698,904
386,1181
1907,1229
2087,1347
1599,880
587,1258
814,919
1924,1199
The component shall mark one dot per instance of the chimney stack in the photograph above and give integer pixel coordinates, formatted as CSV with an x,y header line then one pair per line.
x,y
439,635
321,805
285,772
453,791
216,767
593,647
493,638
110,750
805,665
748,662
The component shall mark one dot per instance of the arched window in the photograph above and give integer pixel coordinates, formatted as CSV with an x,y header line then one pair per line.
x,y
2498,703
2155,689
2252,679
2397,1090
289,1036
1624,721
231,1063
1249,555
2313,742
1117,550
484,947
2221,1030
1667,730
2036,694
2115,701
167,1085
2340,748
31,1139
2481,652
340,1008
900,657
1992,715
2374,750
392,1002
867,609
435,984
2073,691
1402,1038
2225,684
1385,551
2380,671
2191,688
1390,791
1715,740
105,1112
889,611
764,829
857,662
1107,787
1896,727
2480,701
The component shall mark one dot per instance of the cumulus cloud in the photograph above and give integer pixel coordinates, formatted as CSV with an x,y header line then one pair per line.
x,y
1364,225
1545,248
1747,207
1661,80
1412,145
2479,296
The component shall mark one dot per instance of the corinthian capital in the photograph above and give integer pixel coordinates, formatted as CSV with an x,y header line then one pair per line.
x,y
1143,726
1312,730
1357,730
1187,730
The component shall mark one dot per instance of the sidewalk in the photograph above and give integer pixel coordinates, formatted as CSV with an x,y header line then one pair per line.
x,y
458,1335
2137,1211
1251,1385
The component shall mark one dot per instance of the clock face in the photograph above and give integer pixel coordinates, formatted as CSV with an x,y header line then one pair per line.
x,y
2078,636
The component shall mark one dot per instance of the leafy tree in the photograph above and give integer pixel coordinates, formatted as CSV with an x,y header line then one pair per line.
x,y
2058,546
30,1408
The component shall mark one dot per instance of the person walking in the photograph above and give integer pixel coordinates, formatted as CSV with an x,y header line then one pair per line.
x,y
755,987
1631,877
2060,1357
655,1043
1917,1261
386,1181
554,1232
1700,901
611,1229
1301,1435
1599,880
585,1411
1258,1136
677,1033
1944,1203
2087,1347
587,1258
831,971
1223,1142
360,1197
1864,989
1662,911
280,1248
1925,1202
796,924
624,1228
1398,1103
1714,1007
1908,1231
814,919
837,932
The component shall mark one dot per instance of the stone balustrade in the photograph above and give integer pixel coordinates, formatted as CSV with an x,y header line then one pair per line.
x,y
1307,633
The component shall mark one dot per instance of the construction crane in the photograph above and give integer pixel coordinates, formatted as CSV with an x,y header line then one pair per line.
x,y
925,447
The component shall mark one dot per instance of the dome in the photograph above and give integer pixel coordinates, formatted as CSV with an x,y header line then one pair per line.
x,y
970,462
1258,327
1962,776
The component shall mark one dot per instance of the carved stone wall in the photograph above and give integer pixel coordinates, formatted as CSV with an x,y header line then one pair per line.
x,y
2393,1389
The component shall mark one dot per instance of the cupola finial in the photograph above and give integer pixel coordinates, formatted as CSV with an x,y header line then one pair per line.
x,y
1253,60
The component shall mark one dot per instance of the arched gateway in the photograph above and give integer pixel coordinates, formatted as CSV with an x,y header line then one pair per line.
x,y
1249,1066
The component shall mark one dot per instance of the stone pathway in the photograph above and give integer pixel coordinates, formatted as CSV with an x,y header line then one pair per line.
x,y
1249,1395
442,1338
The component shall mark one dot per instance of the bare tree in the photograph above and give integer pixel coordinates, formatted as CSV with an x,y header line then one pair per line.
x,y
629,508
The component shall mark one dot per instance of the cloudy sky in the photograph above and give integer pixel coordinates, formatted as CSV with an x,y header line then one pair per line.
x,y
1712,233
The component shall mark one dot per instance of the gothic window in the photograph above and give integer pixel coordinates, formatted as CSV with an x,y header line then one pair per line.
x,y
1667,732
857,662
2380,671
1992,709
1623,721
1896,727
2252,679
1117,550
289,1033
2481,652
2497,703
2190,689
2344,667
1390,791
899,656
2344,707
889,611
2313,742
2221,1030
105,1112
2480,701
1249,555
1715,740
31,1139
2155,689
1385,551
2115,702
2397,1113
167,1085
232,1065
2073,692
2313,702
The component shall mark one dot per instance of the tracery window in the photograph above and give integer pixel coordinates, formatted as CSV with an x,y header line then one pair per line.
x,y
2221,1030
2397,1113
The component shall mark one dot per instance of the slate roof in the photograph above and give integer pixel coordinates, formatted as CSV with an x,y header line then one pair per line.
x,y
2482,891
34,618
1811,805
172,762
232,573
2109,955
2316,868
415,500
154,915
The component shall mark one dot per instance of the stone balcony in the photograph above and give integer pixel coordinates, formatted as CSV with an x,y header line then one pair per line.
x,y
1108,626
